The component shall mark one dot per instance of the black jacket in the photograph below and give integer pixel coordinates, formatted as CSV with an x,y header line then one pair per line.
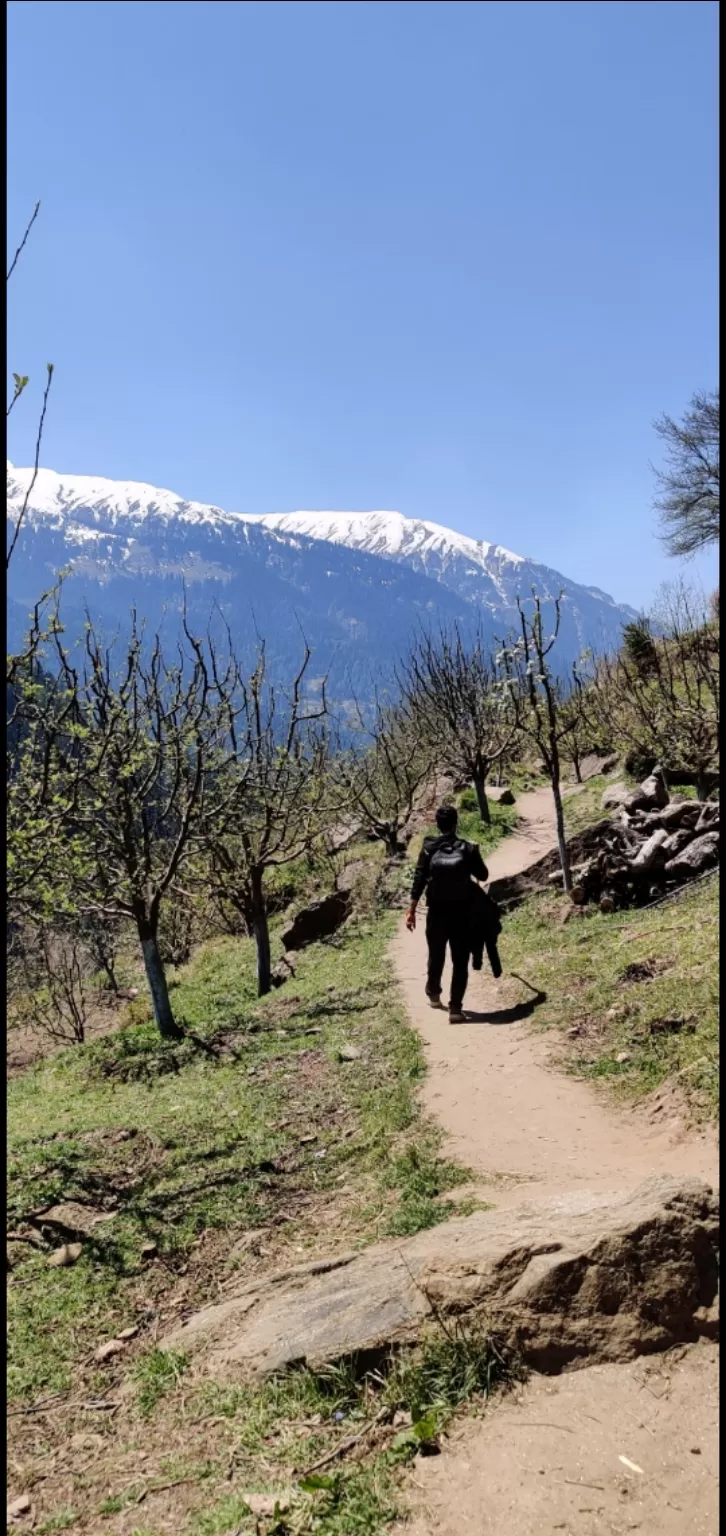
x,y
421,880
486,924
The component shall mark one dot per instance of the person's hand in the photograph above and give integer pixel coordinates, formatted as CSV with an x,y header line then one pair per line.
x,y
411,919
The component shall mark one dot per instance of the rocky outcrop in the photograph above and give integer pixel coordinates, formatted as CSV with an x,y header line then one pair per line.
x,y
582,1277
650,846
318,921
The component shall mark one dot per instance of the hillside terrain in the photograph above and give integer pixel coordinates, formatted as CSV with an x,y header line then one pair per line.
x,y
290,1131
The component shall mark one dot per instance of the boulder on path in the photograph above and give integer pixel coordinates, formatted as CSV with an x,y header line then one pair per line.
x,y
581,1277
318,921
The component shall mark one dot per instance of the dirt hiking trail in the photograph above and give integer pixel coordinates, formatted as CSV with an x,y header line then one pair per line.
x,y
508,1115
548,1458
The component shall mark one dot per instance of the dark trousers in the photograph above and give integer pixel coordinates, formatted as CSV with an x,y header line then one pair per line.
x,y
448,925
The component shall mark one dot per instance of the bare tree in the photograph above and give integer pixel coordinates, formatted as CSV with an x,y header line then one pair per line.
x,y
459,699
52,969
271,800
383,773
688,499
670,711
577,735
20,384
41,789
118,757
548,715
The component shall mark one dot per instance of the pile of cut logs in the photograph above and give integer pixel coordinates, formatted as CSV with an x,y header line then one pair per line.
x,y
652,844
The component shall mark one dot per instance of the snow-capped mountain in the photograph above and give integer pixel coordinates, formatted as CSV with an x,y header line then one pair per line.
x,y
358,583
475,568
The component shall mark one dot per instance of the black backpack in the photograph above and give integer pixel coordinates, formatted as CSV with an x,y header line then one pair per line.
x,y
449,871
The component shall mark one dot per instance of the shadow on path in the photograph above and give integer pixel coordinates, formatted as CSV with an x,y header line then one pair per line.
x,y
512,1015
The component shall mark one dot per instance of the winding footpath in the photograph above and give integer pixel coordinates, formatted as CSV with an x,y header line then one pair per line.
x,y
551,1458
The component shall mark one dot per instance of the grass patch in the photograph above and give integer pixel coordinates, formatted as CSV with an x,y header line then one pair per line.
x,y
583,806
252,1143
253,1115
635,994
157,1374
421,1177
398,1410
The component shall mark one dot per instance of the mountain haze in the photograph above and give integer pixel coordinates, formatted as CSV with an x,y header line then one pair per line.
x,y
358,584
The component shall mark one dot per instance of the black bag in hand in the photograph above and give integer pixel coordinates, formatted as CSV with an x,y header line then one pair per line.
x,y
486,926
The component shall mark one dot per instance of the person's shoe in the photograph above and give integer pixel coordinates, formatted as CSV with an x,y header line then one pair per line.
x,y
435,1002
456,1016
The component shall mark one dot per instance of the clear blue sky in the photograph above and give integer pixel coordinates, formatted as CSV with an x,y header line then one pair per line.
x,y
446,258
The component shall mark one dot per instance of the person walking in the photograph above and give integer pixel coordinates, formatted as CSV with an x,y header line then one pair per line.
x,y
446,867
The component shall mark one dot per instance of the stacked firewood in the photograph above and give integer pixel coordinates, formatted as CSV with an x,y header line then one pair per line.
x,y
652,844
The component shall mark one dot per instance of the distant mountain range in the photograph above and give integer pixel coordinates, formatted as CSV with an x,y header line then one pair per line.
x,y
358,584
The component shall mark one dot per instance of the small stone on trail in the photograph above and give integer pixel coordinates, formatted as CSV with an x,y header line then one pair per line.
x,y
349,1053
633,1465
63,1257
266,1503
19,1507
127,1333
622,1057
149,1250
506,797
108,1350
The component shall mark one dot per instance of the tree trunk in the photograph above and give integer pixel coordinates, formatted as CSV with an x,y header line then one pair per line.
x,y
561,839
576,766
156,977
500,773
392,841
107,966
262,935
481,798
703,785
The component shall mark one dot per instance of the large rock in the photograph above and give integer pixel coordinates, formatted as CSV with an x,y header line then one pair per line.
x,y
700,854
652,794
586,1276
594,763
318,920
614,796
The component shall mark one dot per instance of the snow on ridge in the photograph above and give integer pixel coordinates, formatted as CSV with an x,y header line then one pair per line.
x,y
384,532
58,496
